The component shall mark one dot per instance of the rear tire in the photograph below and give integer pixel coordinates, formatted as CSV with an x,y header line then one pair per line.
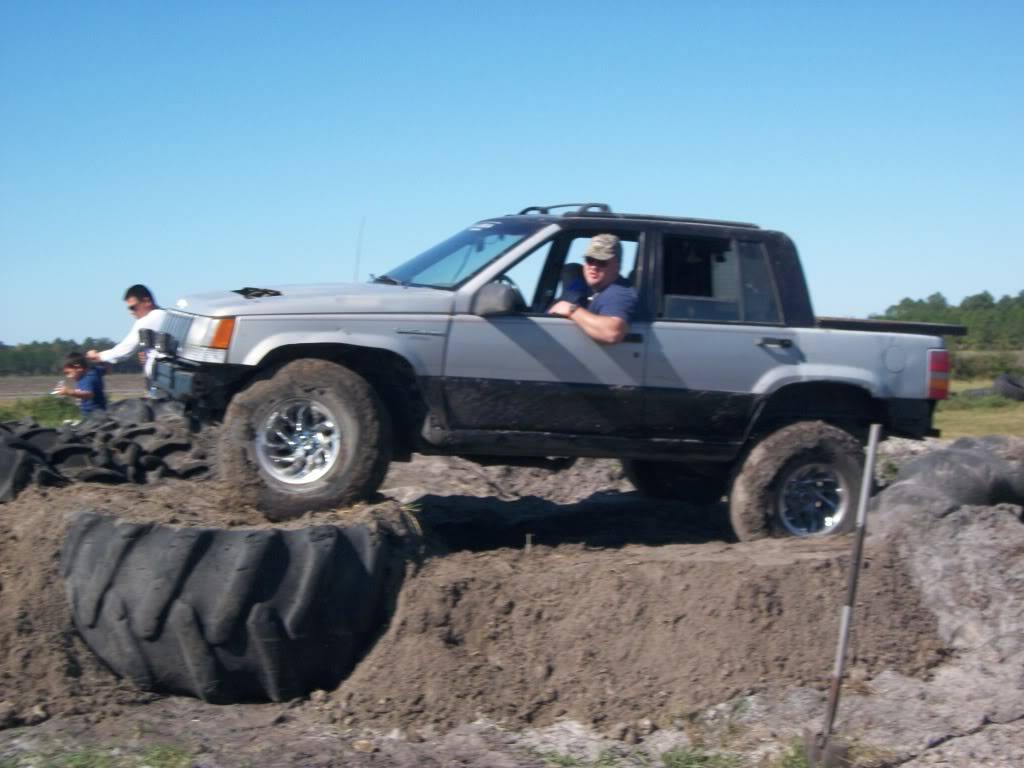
x,y
312,435
673,480
803,480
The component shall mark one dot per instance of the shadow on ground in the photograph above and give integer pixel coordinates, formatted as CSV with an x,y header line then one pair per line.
x,y
605,519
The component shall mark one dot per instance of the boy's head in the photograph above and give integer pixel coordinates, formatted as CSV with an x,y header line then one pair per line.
x,y
75,365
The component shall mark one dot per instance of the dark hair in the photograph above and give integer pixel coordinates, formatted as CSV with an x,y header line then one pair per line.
x,y
75,360
139,292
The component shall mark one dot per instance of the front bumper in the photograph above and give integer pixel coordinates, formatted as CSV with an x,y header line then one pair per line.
x,y
175,380
206,386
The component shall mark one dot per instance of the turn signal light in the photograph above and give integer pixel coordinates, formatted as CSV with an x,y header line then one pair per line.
x,y
938,374
222,336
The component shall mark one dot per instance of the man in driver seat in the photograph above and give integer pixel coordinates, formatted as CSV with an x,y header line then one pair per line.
x,y
605,312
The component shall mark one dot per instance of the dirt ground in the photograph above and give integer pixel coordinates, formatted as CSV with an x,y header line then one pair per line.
x,y
117,385
549,616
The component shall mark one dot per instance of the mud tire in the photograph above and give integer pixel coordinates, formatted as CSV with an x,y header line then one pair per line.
x,y
672,480
754,499
365,449
1009,386
224,615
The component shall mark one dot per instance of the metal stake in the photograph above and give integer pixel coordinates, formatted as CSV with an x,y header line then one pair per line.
x,y
822,748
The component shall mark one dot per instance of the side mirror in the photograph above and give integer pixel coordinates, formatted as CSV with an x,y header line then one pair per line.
x,y
497,299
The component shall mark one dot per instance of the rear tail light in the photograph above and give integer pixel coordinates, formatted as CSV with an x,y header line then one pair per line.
x,y
938,374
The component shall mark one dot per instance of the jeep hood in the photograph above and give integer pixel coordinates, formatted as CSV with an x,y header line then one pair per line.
x,y
319,298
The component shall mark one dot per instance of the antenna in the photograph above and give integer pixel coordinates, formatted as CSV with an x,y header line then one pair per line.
x,y
359,249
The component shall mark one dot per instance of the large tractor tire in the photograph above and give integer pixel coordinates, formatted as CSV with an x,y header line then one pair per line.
x,y
803,480
224,615
310,435
672,480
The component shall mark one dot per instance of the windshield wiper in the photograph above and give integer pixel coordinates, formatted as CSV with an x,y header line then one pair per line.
x,y
386,279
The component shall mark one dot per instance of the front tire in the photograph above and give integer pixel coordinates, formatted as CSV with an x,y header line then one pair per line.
x,y
313,435
803,480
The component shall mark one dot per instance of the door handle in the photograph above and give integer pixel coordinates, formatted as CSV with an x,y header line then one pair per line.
x,y
768,341
633,338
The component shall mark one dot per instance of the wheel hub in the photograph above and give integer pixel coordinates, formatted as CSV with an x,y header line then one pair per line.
x,y
298,442
813,500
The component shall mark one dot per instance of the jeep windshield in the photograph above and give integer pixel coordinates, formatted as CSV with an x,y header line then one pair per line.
x,y
451,263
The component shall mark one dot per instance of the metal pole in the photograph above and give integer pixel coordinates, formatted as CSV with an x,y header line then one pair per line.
x,y
846,617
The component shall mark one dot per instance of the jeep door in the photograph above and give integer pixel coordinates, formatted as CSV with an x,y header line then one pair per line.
x,y
717,331
530,371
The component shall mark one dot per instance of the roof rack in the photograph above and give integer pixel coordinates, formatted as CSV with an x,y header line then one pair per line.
x,y
603,210
582,209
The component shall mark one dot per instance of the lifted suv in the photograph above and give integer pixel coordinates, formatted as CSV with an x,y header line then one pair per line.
x,y
726,384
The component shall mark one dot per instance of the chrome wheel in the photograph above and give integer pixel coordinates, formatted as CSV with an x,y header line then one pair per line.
x,y
813,500
298,442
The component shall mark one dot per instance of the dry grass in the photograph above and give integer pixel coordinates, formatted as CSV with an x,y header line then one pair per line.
x,y
984,416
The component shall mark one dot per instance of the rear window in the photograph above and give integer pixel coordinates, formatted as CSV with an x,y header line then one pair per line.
x,y
716,280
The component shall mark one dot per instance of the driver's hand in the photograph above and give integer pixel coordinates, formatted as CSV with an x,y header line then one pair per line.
x,y
560,308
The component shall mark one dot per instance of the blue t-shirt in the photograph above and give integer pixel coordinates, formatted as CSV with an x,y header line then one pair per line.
x,y
92,381
617,300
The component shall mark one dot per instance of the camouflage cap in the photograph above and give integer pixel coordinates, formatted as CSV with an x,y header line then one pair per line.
x,y
604,248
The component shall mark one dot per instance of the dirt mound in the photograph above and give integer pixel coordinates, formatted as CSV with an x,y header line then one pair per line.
x,y
532,597
618,635
537,594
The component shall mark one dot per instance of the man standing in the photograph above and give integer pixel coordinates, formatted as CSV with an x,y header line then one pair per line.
x,y
606,315
147,315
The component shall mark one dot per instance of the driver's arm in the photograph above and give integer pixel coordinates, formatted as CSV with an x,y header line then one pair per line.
x,y
608,329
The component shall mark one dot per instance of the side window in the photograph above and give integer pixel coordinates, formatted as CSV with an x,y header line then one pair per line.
x,y
759,301
526,276
700,279
540,280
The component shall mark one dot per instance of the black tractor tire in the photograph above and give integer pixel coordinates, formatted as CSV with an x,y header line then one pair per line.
x,y
673,480
1009,386
806,458
16,467
133,410
358,413
225,615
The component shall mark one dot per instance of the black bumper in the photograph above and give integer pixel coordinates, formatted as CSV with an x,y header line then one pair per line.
x,y
206,386
174,379
911,418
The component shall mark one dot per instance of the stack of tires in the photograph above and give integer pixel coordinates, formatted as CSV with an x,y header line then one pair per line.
x,y
133,444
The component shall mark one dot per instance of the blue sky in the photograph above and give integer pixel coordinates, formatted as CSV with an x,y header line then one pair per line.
x,y
195,145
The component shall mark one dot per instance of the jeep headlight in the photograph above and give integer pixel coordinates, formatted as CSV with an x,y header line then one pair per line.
x,y
208,339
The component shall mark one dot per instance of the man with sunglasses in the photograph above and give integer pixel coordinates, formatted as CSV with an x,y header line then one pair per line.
x,y
140,302
607,308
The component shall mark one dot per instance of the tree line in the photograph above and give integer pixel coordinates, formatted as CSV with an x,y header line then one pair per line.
x,y
992,324
40,357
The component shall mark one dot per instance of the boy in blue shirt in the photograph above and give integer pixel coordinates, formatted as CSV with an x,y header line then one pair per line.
x,y
86,386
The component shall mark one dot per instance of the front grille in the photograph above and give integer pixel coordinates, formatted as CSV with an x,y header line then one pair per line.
x,y
176,325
